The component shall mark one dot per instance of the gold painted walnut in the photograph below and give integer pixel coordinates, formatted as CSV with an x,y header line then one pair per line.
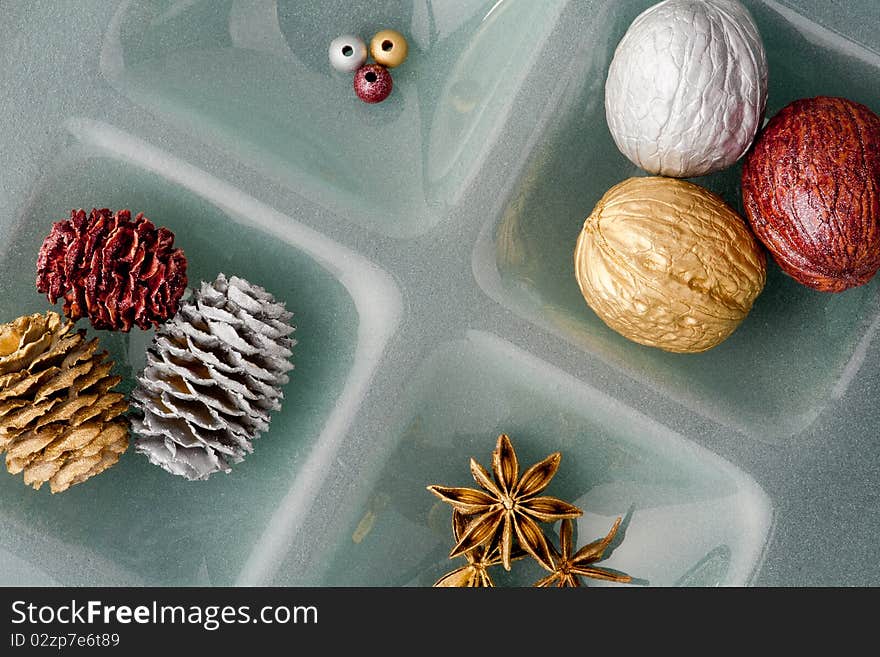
x,y
60,422
668,264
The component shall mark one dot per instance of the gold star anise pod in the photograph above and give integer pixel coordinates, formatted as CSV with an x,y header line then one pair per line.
x,y
567,569
479,560
509,504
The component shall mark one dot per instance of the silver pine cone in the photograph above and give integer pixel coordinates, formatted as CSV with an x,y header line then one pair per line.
x,y
213,377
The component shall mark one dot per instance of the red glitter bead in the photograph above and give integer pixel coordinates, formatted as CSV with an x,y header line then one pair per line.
x,y
372,83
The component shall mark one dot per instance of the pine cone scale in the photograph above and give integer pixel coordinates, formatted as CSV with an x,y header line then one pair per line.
x,y
61,380
10,405
73,471
75,439
24,357
36,475
57,352
20,419
99,407
110,438
31,442
201,415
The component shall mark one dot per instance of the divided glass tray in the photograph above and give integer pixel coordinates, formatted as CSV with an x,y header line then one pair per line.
x,y
424,245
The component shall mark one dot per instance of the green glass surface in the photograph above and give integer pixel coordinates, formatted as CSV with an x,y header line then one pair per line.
x,y
425,247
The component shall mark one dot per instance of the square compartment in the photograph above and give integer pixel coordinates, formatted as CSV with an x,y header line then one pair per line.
x,y
136,524
255,79
615,462
796,352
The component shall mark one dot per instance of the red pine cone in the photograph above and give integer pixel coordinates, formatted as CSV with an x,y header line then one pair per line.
x,y
115,271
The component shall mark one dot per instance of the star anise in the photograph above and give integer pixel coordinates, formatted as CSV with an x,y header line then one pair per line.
x,y
509,504
567,569
479,560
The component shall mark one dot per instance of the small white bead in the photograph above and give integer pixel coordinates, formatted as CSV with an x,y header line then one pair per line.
x,y
347,53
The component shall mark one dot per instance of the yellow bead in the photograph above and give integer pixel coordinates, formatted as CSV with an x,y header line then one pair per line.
x,y
389,48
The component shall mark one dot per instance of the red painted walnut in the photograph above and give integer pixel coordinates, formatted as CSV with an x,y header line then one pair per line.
x,y
811,191
116,271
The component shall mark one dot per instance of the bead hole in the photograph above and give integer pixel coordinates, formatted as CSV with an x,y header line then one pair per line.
x,y
348,51
370,77
387,45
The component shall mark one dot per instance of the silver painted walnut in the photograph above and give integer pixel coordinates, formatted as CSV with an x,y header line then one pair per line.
x,y
687,87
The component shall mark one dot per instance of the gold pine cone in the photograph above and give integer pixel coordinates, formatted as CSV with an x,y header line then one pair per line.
x,y
668,264
59,421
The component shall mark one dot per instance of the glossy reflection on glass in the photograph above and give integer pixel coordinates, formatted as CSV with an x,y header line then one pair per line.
x,y
254,77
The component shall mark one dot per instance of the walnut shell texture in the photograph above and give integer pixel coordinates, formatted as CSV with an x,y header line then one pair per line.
x,y
811,192
687,87
60,421
668,264
116,271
